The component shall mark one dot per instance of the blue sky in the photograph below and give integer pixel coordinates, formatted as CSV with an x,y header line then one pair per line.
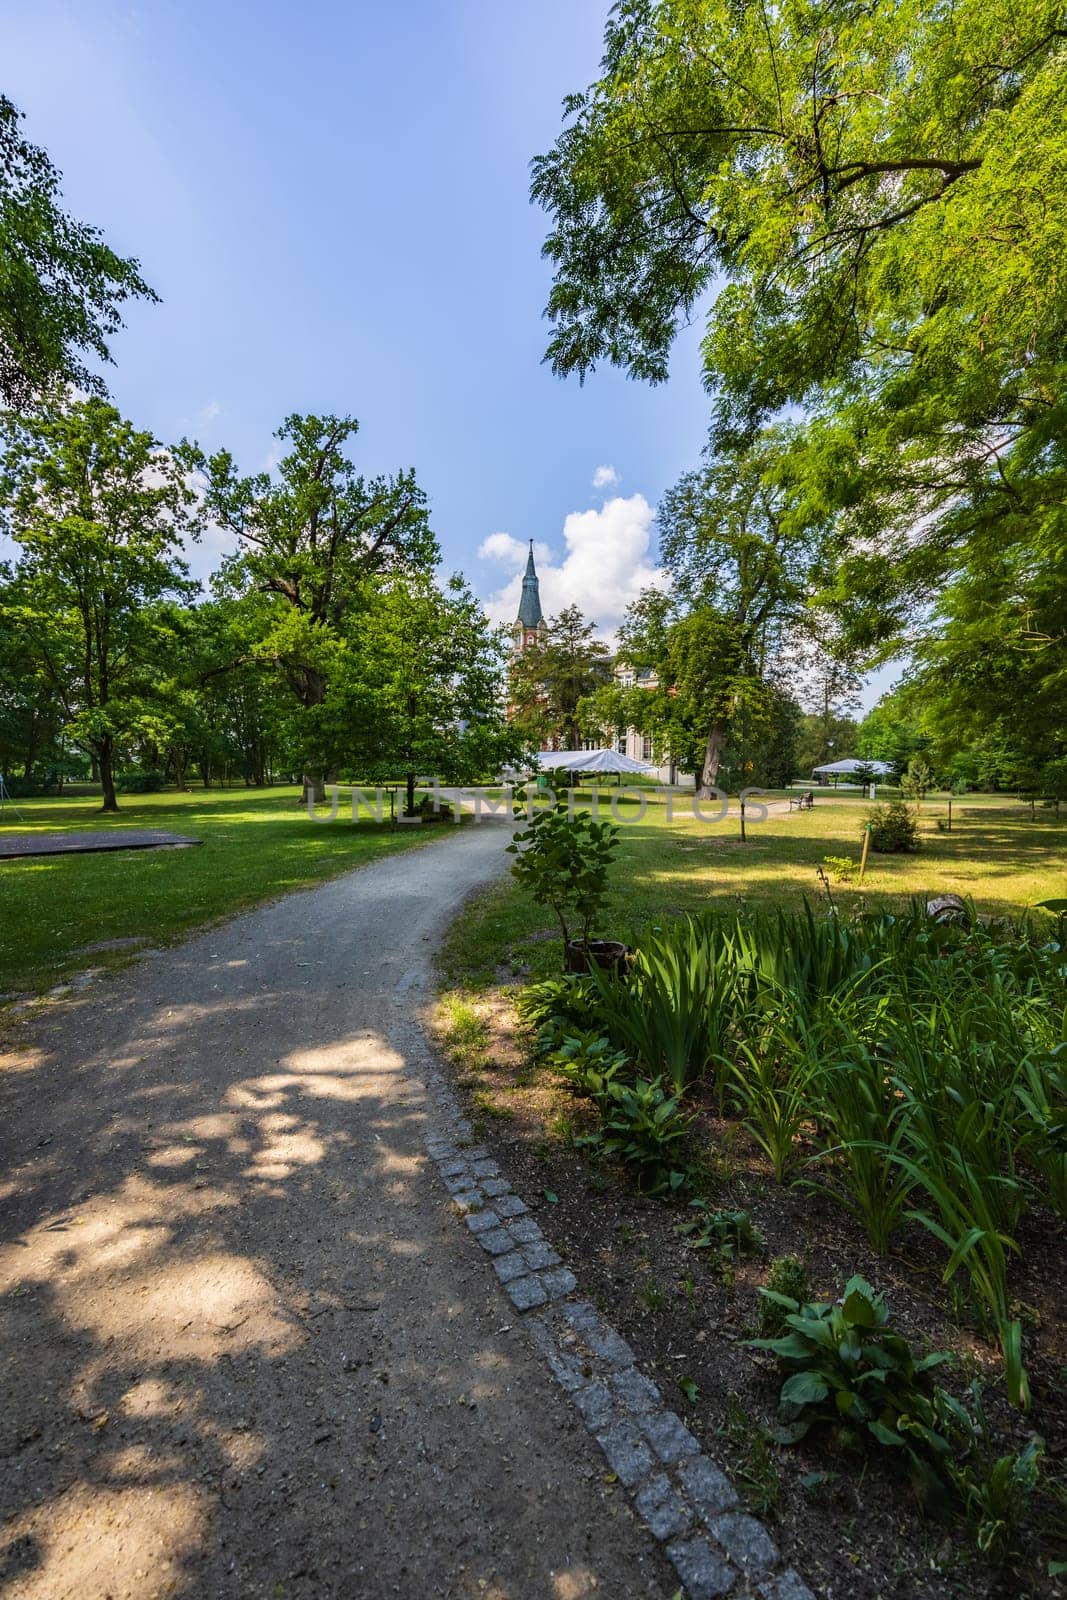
x,y
332,202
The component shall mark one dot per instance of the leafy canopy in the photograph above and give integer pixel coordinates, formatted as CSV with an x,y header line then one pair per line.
x,y
61,286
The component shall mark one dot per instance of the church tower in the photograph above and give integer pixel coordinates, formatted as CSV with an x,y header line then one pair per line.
x,y
529,627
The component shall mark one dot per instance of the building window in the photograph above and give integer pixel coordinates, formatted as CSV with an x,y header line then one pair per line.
x,y
646,749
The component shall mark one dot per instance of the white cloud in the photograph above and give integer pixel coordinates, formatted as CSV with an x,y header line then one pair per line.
x,y
605,478
512,552
209,412
607,563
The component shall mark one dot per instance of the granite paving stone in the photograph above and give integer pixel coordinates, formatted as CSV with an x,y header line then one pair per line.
x,y
745,1541
663,1508
628,1455
701,1568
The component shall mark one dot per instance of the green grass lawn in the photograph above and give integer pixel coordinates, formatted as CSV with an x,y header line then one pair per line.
x,y
995,854
256,844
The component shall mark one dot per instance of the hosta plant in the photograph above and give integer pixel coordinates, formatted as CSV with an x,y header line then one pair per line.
x,y
848,1368
642,1126
588,1062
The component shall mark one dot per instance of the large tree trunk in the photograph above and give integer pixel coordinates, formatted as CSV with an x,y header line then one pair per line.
x,y
709,777
315,786
106,763
411,792
312,692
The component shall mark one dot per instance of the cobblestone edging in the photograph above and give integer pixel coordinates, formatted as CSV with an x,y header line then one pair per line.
x,y
684,1499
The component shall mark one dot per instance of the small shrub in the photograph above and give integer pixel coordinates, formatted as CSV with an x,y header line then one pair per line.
x,y
841,868
918,779
141,781
557,1006
562,862
994,1491
893,828
787,1280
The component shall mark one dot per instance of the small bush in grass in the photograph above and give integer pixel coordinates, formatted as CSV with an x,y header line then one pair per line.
x,y
562,861
893,828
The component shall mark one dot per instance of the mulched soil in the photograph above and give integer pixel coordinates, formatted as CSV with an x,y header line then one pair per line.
x,y
848,1522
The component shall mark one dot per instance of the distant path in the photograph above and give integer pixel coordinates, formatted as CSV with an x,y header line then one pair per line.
x,y
61,844
247,1351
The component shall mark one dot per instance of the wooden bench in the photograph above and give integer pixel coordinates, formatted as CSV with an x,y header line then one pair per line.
x,y
801,802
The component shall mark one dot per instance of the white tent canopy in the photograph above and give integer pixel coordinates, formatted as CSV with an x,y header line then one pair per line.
x,y
589,761
853,764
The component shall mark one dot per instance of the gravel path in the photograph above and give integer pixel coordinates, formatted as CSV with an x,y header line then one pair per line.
x,y
247,1350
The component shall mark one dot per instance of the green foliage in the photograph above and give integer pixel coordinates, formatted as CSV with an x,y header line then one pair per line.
x,y
907,1069
318,541
993,1490
146,781
548,681
893,828
754,1462
644,1127
554,1004
62,285
788,1283
562,861
861,1110
878,197
771,1086
848,1368
703,651
98,510
841,868
671,1009
727,1234
589,1063
418,687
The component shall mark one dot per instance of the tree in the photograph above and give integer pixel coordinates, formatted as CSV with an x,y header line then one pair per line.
x,y
880,191
420,689
739,562
822,738
31,714
889,732
61,286
549,680
918,779
827,686
99,509
315,538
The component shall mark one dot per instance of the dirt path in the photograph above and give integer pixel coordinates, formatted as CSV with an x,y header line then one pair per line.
x,y
247,1350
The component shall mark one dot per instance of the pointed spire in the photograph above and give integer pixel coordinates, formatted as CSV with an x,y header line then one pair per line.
x,y
530,613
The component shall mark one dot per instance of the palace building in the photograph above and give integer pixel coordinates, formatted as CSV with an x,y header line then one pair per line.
x,y
527,631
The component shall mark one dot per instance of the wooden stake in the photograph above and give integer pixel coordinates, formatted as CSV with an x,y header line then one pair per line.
x,y
866,847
